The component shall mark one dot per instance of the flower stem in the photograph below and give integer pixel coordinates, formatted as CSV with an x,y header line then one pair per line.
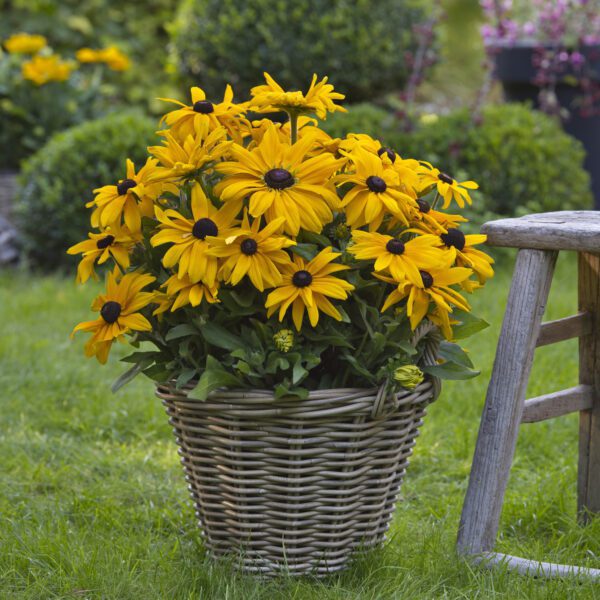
x,y
435,200
294,126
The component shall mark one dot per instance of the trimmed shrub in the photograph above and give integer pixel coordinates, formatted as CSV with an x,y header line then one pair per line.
x,y
57,181
360,44
360,118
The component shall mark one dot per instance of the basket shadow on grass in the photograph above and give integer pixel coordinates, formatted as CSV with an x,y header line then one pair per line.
x,y
93,501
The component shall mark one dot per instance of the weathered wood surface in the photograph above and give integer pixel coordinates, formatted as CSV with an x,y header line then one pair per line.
x,y
504,401
588,483
557,404
565,329
563,230
534,568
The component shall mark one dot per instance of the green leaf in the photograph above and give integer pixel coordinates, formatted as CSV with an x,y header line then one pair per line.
x,y
213,377
469,325
184,377
180,331
306,251
451,370
454,353
126,377
282,390
220,337
298,373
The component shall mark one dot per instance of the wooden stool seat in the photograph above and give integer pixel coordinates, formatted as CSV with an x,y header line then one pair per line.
x,y
539,238
564,230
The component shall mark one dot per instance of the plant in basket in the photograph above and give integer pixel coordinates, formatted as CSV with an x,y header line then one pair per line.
x,y
296,298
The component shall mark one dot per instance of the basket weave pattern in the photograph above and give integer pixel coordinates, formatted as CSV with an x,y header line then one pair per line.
x,y
296,485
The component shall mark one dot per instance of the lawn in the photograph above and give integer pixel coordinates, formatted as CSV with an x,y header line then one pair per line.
x,y
93,502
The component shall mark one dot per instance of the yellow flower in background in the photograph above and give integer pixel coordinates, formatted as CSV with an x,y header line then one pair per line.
x,y
44,69
185,291
403,259
280,182
375,192
319,99
112,243
130,200
449,189
307,287
462,249
119,312
183,121
25,43
190,246
88,55
111,56
254,252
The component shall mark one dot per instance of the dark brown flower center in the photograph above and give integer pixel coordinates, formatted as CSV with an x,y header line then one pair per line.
x,y
279,179
204,107
454,237
426,278
249,247
445,178
376,184
302,279
105,242
387,151
125,185
424,206
110,311
395,247
203,227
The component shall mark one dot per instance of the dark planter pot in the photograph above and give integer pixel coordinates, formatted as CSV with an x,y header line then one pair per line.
x,y
516,72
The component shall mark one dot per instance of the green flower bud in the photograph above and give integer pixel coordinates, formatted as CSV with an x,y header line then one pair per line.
x,y
408,376
284,340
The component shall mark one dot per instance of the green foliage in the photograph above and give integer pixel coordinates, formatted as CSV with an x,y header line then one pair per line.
x,y
521,158
361,118
361,45
58,180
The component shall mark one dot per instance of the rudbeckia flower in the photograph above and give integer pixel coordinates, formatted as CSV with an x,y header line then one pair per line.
x,y
434,221
115,244
189,236
183,121
25,43
308,287
131,199
254,252
280,182
44,69
449,189
319,99
374,193
433,287
119,312
185,291
403,259
462,248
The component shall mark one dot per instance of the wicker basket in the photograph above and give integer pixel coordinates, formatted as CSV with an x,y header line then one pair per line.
x,y
296,485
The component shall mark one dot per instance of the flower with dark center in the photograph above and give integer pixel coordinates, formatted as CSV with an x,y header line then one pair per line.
x,y
376,184
279,179
395,247
426,278
249,247
204,107
388,152
105,242
455,237
125,185
204,227
424,206
302,279
110,311
445,178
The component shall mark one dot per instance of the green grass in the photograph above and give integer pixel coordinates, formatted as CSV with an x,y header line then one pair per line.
x,y
93,503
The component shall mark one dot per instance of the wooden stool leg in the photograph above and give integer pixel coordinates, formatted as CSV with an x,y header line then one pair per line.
x,y
504,401
588,484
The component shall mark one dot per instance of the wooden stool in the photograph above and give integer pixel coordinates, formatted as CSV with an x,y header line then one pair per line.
x,y
539,238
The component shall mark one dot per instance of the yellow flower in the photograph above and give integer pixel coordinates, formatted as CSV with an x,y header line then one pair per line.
x,y
182,121
44,69
112,243
434,286
182,160
375,192
254,252
119,312
88,55
447,187
307,286
190,249
402,259
131,199
280,182
319,98
111,56
434,221
462,248
186,291
25,43
409,376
